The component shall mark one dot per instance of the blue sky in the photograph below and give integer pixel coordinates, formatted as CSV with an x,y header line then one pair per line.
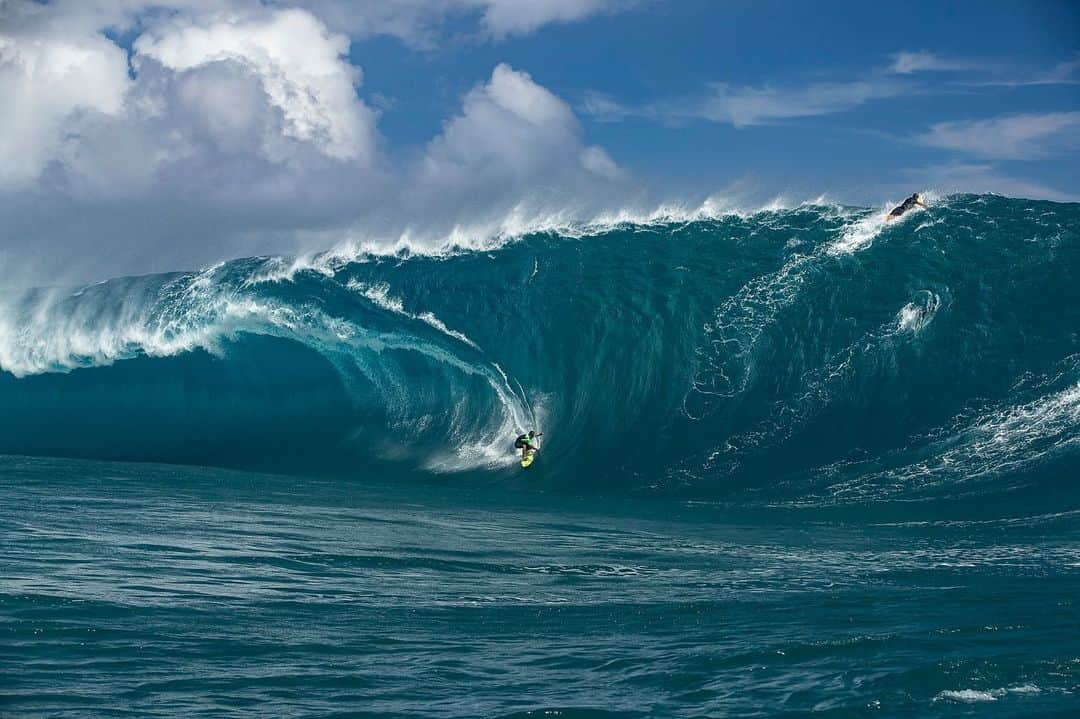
x,y
140,135
991,54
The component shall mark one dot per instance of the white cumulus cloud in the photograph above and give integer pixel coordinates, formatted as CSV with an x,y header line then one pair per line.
x,y
235,128
299,63
205,89
510,130
45,82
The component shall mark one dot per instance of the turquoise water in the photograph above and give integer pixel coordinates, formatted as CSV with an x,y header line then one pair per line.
x,y
149,590
794,461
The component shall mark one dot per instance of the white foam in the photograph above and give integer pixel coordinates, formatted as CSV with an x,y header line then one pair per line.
x,y
999,441
970,696
859,234
821,384
739,323
58,333
741,320
379,293
973,696
355,244
914,317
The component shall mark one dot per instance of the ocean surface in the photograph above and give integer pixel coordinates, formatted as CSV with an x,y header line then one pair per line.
x,y
796,460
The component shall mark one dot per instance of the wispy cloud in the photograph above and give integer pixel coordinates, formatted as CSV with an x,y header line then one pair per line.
x,y
985,73
1063,73
749,105
909,62
505,17
605,108
745,106
1008,137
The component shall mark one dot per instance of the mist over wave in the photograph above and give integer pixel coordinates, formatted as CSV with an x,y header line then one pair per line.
x,y
812,355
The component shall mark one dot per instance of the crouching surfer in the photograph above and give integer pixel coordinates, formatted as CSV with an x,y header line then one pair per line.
x,y
908,204
528,443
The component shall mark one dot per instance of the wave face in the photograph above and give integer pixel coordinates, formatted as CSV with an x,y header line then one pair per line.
x,y
805,356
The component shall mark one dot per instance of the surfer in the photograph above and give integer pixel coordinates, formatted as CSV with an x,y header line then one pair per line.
x,y
527,442
906,205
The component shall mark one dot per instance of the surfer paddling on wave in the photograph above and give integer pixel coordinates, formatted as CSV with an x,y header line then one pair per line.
x,y
908,204
527,442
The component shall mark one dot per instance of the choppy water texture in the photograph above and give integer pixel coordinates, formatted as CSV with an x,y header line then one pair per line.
x,y
795,461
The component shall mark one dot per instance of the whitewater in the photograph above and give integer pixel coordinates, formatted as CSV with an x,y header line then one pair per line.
x,y
797,459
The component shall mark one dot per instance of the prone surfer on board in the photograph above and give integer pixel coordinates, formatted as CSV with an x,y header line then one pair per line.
x,y
908,204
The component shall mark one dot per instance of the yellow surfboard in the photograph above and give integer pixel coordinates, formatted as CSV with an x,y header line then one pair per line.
x,y
528,458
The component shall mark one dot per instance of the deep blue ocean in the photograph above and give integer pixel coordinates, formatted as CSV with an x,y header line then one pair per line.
x,y
799,460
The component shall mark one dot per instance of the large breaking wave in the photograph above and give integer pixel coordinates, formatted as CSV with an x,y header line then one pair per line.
x,y
807,355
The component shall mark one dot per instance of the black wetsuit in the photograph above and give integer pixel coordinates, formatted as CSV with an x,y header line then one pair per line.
x,y
526,443
908,204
